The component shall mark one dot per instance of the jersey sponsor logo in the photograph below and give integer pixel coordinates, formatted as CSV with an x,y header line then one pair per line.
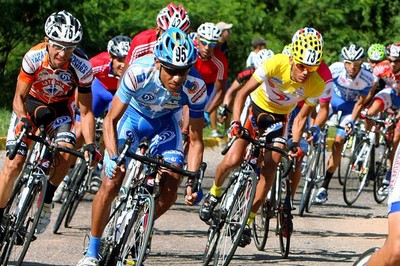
x,y
192,87
276,80
165,136
37,57
62,120
44,74
79,64
148,97
279,140
367,77
65,76
140,78
198,95
280,96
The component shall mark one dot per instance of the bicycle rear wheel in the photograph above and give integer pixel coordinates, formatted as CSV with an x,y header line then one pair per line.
x,y
138,233
25,208
284,222
319,176
77,178
346,157
235,210
357,173
261,225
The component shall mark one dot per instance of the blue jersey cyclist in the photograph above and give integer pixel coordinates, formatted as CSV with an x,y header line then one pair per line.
x,y
352,83
149,104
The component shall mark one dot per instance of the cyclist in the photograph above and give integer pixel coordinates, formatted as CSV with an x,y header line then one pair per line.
x,y
389,72
143,43
51,72
107,69
213,67
257,44
239,82
148,103
274,90
352,84
389,254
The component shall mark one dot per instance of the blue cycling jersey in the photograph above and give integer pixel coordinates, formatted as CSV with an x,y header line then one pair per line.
x,y
141,87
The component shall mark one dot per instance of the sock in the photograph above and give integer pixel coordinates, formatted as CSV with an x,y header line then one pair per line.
x,y
48,198
94,247
327,180
250,220
216,191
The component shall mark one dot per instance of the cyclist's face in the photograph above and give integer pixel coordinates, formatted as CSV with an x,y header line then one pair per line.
x,y
206,47
118,65
59,52
394,64
300,72
172,79
352,67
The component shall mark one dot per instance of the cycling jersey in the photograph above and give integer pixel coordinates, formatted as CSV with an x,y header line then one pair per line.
x,y
278,93
142,44
102,70
142,89
50,86
394,187
245,75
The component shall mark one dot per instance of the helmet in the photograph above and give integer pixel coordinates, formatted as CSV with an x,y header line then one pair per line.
x,y
287,49
209,31
377,52
353,53
261,56
307,31
119,46
175,49
307,49
62,26
393,50
173,16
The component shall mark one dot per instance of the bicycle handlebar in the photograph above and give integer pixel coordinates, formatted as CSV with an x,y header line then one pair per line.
x,y
18,142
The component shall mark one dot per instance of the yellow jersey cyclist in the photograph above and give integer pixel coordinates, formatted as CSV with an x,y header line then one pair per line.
x,y
264,104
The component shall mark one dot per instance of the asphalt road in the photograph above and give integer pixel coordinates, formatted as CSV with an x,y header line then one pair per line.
x,y
333,234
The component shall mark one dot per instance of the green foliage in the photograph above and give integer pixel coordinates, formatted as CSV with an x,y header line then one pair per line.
x,y
340,21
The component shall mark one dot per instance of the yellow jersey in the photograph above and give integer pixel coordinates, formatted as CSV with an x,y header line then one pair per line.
x,y
278,93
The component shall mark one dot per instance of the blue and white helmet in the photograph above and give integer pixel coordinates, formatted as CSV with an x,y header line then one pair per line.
x,y
175,49
63,27
119,46
353,53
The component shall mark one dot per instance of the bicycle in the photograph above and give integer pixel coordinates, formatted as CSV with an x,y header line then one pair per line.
x,y
130,225
79,184
363,259
363,166
228,222
23,210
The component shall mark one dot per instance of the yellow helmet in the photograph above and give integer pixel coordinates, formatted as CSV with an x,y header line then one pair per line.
x,y
307,50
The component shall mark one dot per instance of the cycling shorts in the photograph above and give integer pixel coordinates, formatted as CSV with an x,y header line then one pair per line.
x,y
344,118
56,118
164,133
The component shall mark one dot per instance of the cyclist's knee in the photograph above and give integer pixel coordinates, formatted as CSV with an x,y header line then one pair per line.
x,y
14,167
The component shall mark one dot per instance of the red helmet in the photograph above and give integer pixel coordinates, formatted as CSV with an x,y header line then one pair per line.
x,y
173,16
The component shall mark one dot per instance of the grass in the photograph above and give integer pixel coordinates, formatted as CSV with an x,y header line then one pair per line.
x,y
5,115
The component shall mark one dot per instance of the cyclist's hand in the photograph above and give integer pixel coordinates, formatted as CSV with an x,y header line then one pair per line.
x,y
223,113
314,133
92,154
192,198
185,136
236,129
207,119
24,122
349,128
295,151
111,168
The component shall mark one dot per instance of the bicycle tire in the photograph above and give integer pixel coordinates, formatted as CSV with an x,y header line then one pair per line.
x,y
345,159
364,258
284,241
237,207
213,234
261,225
319,176
79,194
138,232
71,193
380,175
26,221
357,173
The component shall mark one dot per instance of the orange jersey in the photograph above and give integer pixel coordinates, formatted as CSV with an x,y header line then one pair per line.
x,y
54,85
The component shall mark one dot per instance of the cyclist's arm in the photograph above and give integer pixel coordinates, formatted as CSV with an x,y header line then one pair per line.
x,y
300,122
230,93
358,107
196,146
322,115
87,117
241,97
21,92
220,86
110,125
371,93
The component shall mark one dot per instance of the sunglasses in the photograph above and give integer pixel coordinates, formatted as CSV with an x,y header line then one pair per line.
x,y
353,62
175,71
205,43
309,69
60,47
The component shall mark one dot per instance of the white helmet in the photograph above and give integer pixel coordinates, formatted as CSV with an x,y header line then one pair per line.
x,y
63,27
209,31
261,56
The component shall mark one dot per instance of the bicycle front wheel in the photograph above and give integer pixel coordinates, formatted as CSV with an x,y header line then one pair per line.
x,y
25,210
212,240
346,154
357,173
261,225
138,232
380,175
235,209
